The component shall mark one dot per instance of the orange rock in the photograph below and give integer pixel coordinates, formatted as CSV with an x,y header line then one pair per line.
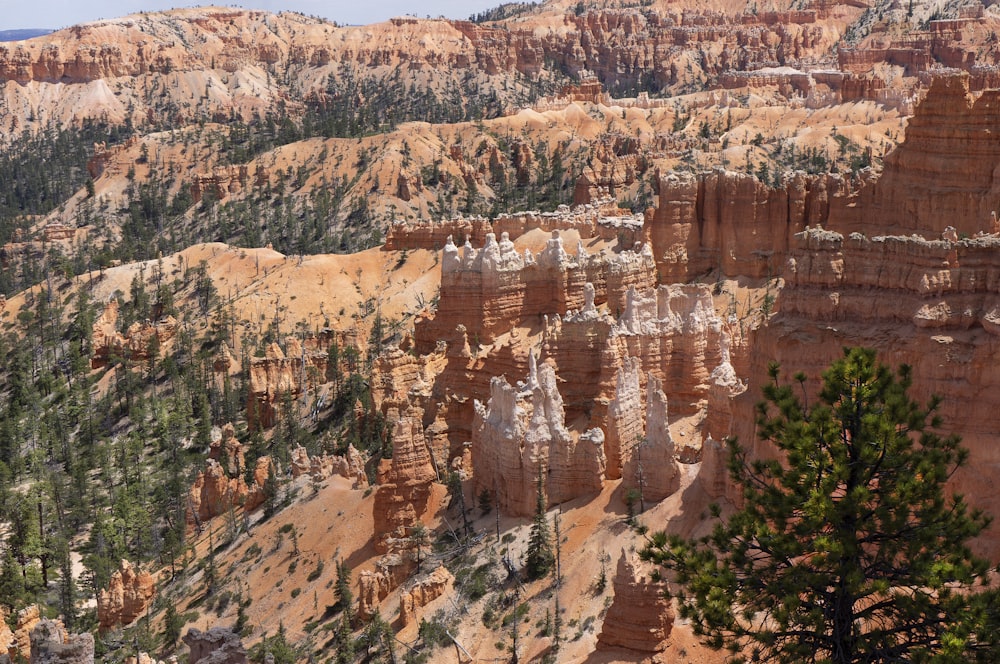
x,y
640,617
404,485
423,593
350,466
214,492
375,585
489,290
127,596
278,374
134,344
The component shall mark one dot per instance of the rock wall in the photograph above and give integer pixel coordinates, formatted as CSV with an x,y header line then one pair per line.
x,y
423,593
942,174
126,598
218,645
678,338
375,585
734,223
281,374
215,492
931,304
351,466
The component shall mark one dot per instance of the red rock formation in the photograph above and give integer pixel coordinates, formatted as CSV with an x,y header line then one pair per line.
x,y
228,451
614,164
931,304
433,235
221,182
423,593
127,596
735,223
640,617
641,443
396,373
350,466
520,436
942,174
375,585
279,374
55,232
404,485
134,344
214,492
16,643
489,290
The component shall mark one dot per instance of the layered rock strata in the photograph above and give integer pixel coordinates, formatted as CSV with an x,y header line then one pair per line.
x,y
931,304
489,289
943,174
734,223
404,485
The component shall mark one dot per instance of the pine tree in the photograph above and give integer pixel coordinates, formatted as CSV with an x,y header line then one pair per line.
x,y
540,558
345,598
847,548
173,622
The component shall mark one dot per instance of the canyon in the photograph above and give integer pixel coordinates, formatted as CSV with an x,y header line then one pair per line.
x,y
365,442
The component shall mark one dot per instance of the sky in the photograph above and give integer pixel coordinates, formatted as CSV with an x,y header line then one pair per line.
x,y
55,14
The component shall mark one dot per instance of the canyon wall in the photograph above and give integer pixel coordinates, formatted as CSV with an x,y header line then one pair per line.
x,y
931,304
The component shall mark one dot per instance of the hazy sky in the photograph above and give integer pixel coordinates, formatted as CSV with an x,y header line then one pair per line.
x,y
56,14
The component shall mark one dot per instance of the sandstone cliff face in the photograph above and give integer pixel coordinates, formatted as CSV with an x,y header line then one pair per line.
x,y
640,617
282,374
735,223
17,643
942,174
489,290
127,596
672,331
213,62
928,303
375,585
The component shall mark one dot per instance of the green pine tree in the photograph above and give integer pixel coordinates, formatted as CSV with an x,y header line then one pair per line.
x,y
848,548
540,558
